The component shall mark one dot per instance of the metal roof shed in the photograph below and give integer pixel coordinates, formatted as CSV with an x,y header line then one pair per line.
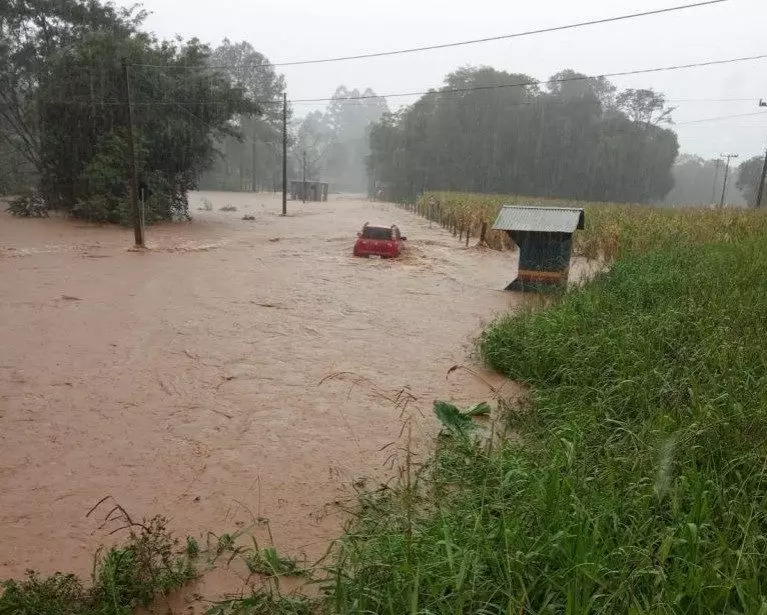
x,y
544,236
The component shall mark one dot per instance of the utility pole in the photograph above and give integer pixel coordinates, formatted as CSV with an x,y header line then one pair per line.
x,y
253,174
138,221
303,181
716,176
284,154
760,191
726,170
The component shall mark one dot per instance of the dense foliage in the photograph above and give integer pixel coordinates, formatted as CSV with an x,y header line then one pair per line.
x,y
66,111
493,131
32,33
638,482
252,159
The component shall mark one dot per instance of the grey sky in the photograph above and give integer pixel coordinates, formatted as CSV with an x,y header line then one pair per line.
x,y
303,29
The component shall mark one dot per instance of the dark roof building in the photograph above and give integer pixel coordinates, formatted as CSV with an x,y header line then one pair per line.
x,y
544,236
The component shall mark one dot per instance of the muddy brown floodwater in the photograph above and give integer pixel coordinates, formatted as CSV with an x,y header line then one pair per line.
x,y
187,380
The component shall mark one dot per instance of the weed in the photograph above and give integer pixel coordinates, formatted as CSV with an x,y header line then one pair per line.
x,y
125,578
58,594
192,547
269,562
264,603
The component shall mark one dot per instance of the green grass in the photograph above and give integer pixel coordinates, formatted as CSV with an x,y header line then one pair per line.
x,y
638,483
125,578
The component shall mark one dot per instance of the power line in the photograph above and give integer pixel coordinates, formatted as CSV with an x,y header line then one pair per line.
x,y
712,100
521,84
720,117
443,91
378,54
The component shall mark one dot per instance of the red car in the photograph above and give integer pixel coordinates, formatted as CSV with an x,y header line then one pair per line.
x,y
379,241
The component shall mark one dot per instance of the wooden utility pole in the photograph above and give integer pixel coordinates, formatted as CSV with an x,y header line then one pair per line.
x,y
760,191
303,181
726,170
716,176
284,154
253,174
138,219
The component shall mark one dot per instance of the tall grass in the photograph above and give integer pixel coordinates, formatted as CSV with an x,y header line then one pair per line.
x,y
612,230
639,482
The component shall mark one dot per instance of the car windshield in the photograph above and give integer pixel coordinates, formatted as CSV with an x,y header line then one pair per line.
x,y
376,232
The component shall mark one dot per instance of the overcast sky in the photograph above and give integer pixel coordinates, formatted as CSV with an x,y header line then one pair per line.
x,y
303,29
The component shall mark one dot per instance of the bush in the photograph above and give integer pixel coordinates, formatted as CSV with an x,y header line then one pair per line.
x,y
125,578
31,205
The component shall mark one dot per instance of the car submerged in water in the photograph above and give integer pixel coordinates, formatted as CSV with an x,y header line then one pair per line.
x,y
379,241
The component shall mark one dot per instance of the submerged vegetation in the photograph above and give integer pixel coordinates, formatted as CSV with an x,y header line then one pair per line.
x,y
149,564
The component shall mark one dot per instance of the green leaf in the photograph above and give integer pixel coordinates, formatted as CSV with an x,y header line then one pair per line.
x,y
452,418
480,409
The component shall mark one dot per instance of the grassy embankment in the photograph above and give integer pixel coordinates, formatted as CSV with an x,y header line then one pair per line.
x,y
639,481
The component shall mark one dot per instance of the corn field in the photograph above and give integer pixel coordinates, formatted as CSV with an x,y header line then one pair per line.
x,y
612,230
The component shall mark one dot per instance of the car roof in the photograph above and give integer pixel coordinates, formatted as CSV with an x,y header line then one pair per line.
x,y
366,225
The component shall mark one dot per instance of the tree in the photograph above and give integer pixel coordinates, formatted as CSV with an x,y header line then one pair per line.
x,y
749,176
17,174
348,117
180,107
699,182
644,106
493,131
255,154
336,141
32,32
63,109
312,140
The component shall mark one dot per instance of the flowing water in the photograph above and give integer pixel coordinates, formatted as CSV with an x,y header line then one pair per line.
x,y
239,370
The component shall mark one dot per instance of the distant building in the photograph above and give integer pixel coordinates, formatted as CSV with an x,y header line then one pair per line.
x,y
310,190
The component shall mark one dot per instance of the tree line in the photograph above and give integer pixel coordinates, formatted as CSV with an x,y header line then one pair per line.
x,y
492,131
64,113
572,137
212,118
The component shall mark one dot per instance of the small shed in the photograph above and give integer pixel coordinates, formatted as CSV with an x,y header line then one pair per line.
x,y
309,190
544,236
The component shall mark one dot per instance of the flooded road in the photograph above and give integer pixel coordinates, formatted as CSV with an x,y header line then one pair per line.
x,y
191,380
